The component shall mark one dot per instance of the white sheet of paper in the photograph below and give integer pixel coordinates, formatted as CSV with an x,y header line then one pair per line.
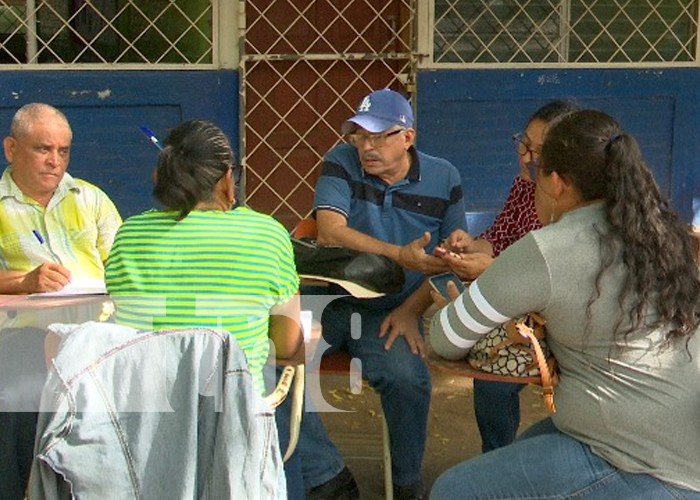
x,y
79,286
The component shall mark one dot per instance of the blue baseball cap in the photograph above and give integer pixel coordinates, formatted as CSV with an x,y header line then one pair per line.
x,y
379,111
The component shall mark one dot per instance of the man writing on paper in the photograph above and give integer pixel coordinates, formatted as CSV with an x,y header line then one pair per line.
x,y
53,229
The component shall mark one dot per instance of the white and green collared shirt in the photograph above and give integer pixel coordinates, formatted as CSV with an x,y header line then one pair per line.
x,y
76,229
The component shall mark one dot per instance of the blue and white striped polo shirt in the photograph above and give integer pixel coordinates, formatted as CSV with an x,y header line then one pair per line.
x,y
428,199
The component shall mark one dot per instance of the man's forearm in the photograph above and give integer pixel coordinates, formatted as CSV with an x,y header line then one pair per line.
x,y
350,238
11,281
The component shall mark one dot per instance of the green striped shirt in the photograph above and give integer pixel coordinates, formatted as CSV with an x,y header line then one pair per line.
x,y
221,270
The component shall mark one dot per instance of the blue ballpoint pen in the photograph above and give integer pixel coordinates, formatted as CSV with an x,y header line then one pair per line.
x,y
151,136
41,241
38,236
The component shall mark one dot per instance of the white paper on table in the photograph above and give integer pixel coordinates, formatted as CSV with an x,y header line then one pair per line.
x,y
79,286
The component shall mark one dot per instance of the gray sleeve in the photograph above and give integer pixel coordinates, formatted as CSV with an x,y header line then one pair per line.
x,y
517,282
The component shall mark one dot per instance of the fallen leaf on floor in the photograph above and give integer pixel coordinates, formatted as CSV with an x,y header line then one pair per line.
x,y
336,396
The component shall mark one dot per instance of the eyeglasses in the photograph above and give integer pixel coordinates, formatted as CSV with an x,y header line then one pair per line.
x,y
522,148
375,140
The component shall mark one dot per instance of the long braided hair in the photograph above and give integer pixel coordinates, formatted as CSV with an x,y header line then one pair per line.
x,y
603,162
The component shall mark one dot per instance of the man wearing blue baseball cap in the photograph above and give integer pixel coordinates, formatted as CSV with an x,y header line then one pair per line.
x,y
380,111
377,193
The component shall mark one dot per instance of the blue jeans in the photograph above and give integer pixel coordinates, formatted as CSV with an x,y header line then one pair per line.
x,y
402,380
497,410
547,464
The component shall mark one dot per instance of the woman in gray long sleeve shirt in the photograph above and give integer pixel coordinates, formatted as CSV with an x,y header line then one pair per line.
x,y
613,272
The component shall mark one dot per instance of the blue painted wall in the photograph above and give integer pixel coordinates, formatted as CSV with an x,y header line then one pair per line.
x,y
468,116
105,109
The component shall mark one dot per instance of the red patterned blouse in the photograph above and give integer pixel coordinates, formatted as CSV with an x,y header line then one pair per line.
x,y
517,218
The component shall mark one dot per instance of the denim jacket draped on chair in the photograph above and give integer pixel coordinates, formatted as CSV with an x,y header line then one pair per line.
x,y
165,414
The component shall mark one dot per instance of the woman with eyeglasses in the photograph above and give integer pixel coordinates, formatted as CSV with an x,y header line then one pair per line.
x,y
518,216
614,275
497,404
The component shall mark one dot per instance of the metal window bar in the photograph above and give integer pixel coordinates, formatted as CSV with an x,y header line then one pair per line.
x,y
146,33
575,32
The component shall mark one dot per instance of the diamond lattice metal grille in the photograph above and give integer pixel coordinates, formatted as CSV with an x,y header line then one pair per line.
x,y
565,31
305,68
146,32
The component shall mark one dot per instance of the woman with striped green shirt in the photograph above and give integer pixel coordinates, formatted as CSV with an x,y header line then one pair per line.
x,y
200,263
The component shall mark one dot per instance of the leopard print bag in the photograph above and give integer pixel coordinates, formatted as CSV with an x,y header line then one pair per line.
x,y
517,349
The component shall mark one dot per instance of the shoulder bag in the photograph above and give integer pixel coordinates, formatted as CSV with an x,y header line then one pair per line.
x,y
517,349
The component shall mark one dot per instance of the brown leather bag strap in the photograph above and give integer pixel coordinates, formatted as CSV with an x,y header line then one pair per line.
x,y
546,374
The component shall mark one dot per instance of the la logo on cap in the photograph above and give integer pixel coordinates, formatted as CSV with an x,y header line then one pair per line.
x,y
364,105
